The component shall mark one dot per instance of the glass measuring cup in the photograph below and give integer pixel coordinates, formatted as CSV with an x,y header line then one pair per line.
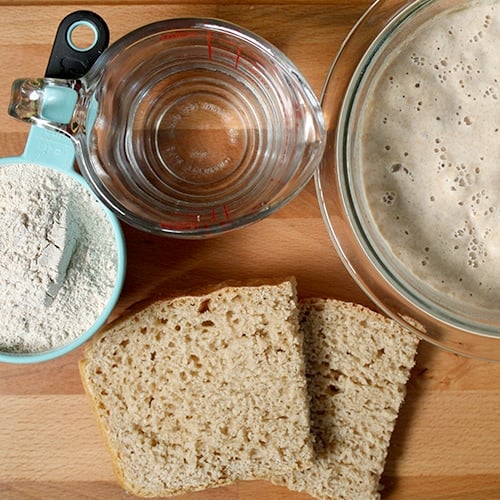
x,y
186,127
54,154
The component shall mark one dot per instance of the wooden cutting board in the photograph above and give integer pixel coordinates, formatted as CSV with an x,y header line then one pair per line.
x,y
447,441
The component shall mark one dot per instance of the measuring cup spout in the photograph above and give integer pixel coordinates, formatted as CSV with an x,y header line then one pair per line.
x,y
46,102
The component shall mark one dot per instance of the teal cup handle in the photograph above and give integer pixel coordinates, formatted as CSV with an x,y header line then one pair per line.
x,y
46,102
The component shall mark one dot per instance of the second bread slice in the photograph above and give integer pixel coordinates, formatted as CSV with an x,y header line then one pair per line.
x,y
199,391
358,363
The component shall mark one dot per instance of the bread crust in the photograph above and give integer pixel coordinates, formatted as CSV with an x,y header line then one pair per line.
x,y
178,293
82,365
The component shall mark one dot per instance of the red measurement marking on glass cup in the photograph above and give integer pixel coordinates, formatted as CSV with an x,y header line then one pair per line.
x,y
175,35
214,216
186,222
238,55
210,51
209,45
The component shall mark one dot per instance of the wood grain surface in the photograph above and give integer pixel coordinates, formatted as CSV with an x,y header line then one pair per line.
x,y
447,441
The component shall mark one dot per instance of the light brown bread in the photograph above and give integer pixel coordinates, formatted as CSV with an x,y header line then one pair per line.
x,y
357,364
202,390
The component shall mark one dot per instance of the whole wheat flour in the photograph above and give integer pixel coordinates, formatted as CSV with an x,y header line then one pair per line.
x,y
58,258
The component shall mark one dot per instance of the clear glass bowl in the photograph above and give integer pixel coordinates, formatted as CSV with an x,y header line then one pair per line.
x,y
443,318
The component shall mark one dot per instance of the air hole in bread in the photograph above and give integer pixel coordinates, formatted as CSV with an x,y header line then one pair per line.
x,y
332,389
195,360
124,343
207,323
204,306
262,333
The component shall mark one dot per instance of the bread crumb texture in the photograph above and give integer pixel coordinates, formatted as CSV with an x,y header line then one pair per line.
x,y
357,364
200,391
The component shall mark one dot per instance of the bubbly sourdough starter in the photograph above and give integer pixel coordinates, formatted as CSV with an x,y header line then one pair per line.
x,y
430,154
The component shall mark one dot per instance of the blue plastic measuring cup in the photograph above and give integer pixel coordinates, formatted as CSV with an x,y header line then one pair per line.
x,y
53,150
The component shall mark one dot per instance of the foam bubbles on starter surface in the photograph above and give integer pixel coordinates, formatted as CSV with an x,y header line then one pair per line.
x,y
431,170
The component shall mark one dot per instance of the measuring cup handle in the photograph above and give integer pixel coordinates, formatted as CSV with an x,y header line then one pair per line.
x,y
46,102
68,61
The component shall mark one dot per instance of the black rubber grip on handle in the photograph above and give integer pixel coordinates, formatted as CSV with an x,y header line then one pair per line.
x,y
67,61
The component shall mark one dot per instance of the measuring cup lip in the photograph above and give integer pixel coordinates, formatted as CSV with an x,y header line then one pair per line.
x,y
171,24
27,358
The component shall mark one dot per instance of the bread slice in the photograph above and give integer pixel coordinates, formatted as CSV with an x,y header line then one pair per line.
x,y
357,364
202,390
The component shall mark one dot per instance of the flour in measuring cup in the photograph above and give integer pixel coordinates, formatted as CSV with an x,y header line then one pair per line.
x,y
430,147
58,258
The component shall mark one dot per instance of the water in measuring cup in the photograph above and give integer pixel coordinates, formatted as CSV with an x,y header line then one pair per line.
x,y
206,131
